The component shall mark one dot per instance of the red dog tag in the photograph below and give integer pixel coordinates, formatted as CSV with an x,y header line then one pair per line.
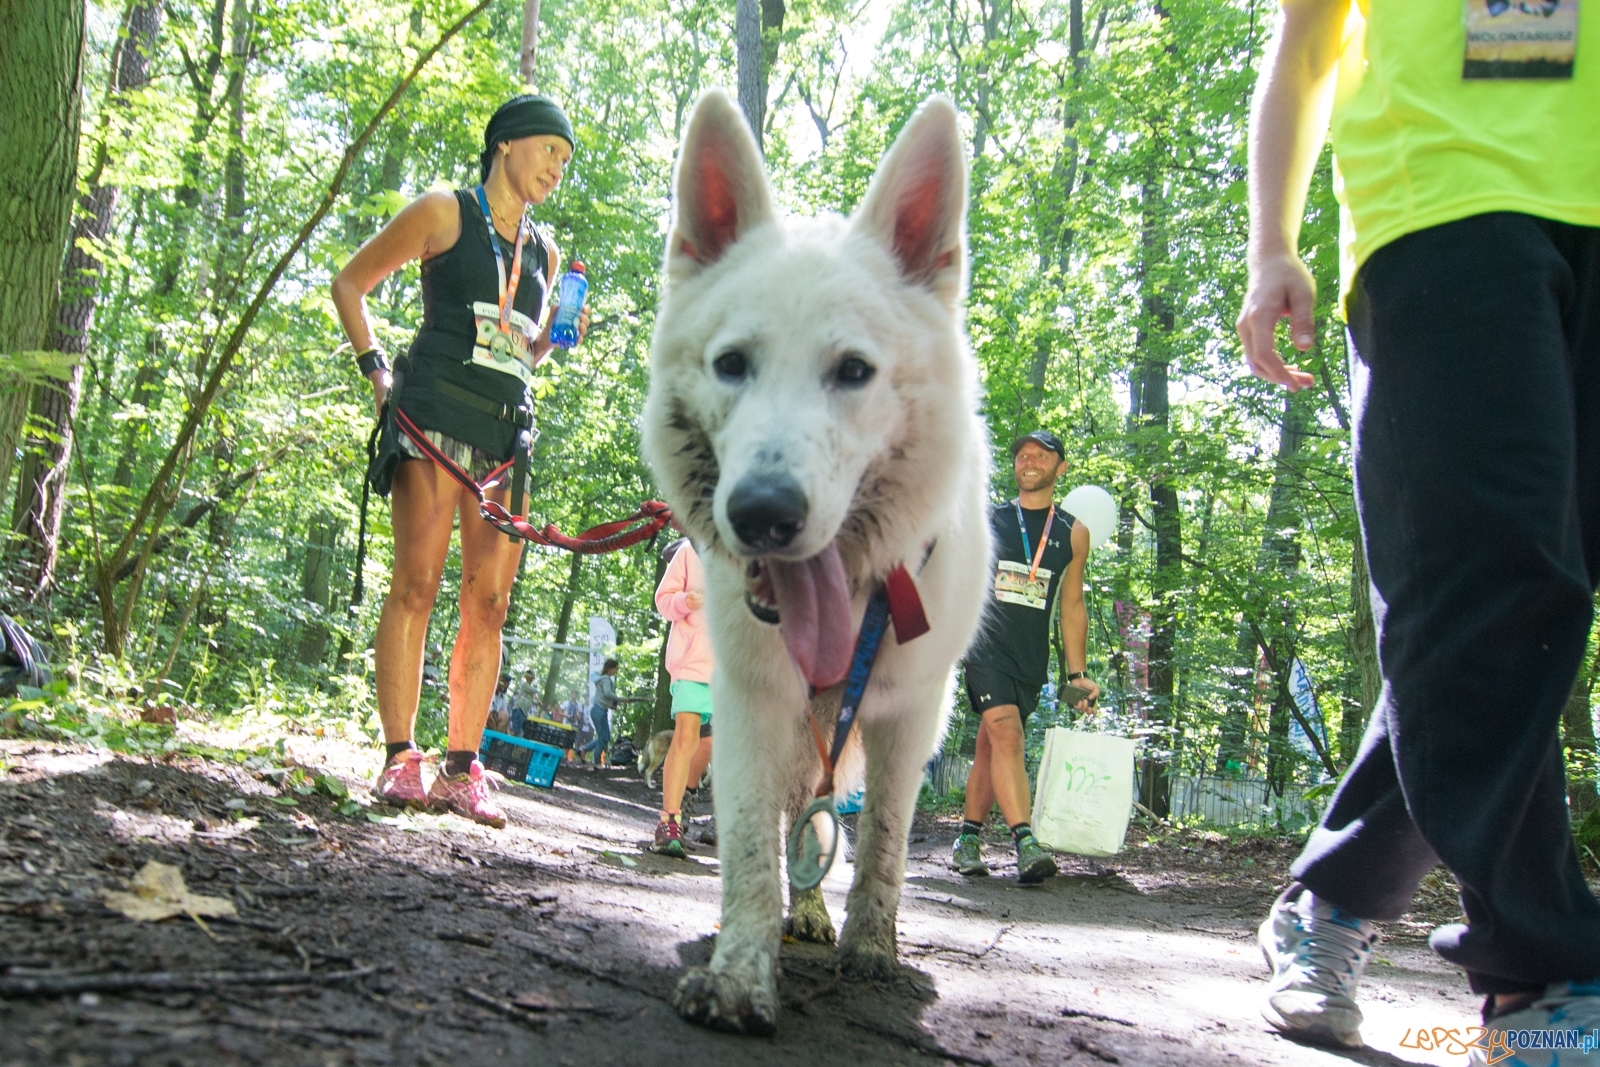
x,y
905,605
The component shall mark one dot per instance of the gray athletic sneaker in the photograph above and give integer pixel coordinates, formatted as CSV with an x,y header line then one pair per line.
x,y
967,857
1317,954
1550,1032
1034,862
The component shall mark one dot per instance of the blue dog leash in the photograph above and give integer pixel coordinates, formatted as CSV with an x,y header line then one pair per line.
x,y
812,847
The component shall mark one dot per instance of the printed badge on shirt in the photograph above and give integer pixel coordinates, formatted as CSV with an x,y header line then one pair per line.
x,y
510,353
1520,39
1013,586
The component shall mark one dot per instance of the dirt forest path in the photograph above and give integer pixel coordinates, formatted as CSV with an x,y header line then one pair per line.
x,y
413,940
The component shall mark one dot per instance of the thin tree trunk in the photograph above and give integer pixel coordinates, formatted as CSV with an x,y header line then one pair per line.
x,y
528,62
569,598
41,489
752,80
1577,738
316,581
1280,553
41,71
1153,343
1361,642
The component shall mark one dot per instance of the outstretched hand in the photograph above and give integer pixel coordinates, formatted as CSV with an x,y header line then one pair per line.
x,y
1280,287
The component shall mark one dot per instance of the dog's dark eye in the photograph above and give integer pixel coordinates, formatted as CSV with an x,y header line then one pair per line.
x,y
853,370
731,366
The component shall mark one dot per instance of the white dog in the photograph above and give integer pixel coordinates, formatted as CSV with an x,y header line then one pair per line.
x,y
812,422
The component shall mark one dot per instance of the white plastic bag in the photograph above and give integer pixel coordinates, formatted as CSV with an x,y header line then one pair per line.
x,y
1085,792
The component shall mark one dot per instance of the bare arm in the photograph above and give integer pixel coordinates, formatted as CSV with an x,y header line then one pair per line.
x,y
1075,614
1288,123
427,226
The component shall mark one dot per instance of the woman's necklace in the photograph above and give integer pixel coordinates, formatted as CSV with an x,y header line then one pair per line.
x,y
501,219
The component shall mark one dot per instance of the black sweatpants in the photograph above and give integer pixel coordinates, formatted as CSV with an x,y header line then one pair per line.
x,y
1476,378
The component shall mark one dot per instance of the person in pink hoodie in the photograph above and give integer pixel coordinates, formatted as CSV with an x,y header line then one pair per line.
x,y
681,599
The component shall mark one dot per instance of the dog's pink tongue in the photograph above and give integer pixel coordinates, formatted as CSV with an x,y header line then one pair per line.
x,y
814,609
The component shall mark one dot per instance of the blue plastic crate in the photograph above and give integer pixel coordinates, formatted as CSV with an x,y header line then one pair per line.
x,y
518,759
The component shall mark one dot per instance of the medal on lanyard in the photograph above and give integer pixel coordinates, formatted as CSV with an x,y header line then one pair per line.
x,y
1044,538
500,347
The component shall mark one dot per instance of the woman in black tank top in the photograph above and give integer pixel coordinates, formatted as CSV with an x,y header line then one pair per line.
x,y
486,278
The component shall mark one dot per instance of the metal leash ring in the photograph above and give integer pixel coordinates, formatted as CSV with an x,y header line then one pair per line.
x,y
811,853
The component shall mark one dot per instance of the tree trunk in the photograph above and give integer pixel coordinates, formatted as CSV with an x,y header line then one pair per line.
x,y
1577,738
1361,642
1156,325
528,61
569,598
752,79
316,574
41,71
42,486
1261,617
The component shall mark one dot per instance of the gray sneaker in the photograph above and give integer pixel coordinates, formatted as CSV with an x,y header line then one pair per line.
x,y
967,857
1550,1032
1317,953
1034,862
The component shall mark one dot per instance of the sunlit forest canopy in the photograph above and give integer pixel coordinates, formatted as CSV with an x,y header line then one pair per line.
x,y
210,496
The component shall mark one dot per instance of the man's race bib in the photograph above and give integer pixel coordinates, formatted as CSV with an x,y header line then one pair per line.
x,y
510,353
1013,586
1520,39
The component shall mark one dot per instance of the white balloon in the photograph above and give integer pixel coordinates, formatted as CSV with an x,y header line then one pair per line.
x,y
1097,510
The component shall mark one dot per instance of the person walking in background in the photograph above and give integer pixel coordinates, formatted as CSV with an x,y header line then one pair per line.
x,y
1470,185
681,599
1041,553
500,715
605,701
525,695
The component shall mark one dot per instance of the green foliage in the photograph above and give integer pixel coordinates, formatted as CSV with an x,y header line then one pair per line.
x,y
1107,183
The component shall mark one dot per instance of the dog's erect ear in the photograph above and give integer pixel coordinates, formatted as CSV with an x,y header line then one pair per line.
x,y
720,187
917,202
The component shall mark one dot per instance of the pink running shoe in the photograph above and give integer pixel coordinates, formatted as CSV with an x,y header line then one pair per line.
x,y
401,781
467,795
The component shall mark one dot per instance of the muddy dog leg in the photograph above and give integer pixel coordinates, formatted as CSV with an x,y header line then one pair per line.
x,y
808,913
897,748
738,990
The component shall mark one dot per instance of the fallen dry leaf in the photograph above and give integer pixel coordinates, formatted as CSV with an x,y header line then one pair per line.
x,y
159,893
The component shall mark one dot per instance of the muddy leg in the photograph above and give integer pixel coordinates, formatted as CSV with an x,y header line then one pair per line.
x,y
738,990
808,913
897,747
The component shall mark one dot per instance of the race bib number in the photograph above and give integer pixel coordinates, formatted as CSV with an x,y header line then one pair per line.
x,y
1520,39
1013,586
510,353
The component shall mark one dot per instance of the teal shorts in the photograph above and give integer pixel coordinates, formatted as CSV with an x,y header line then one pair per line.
x,y
692,697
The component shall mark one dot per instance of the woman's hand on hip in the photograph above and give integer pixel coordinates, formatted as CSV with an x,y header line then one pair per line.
x,y
381,382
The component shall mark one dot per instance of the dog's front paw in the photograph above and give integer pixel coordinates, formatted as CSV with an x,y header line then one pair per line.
x,y
808,917
869,955
722,1001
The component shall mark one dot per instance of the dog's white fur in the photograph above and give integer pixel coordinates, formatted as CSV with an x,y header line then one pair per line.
x,y
888,468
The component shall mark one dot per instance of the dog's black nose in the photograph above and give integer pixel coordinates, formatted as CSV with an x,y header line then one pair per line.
x,y
767,511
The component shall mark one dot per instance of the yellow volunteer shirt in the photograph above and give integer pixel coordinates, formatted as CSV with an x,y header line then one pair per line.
x,y
1415,145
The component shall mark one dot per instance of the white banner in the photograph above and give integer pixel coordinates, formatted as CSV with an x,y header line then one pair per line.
x,y
602,642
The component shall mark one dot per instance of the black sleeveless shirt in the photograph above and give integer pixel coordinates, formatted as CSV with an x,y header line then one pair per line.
x,y
452,282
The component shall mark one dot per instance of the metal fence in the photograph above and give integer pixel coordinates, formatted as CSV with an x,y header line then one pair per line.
x,y
947,771
1232,801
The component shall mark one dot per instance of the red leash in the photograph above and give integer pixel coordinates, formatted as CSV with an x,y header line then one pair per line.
x,y
642,525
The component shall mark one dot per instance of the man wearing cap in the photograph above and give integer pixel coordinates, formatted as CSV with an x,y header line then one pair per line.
x,y
1040,553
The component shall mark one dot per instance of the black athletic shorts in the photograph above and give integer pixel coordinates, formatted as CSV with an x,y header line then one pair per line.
x,y
705,727
992,689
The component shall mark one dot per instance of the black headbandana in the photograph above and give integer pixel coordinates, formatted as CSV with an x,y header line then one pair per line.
x,y
523,116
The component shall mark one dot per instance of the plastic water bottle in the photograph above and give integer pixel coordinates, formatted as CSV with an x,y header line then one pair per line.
x,y
574,287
